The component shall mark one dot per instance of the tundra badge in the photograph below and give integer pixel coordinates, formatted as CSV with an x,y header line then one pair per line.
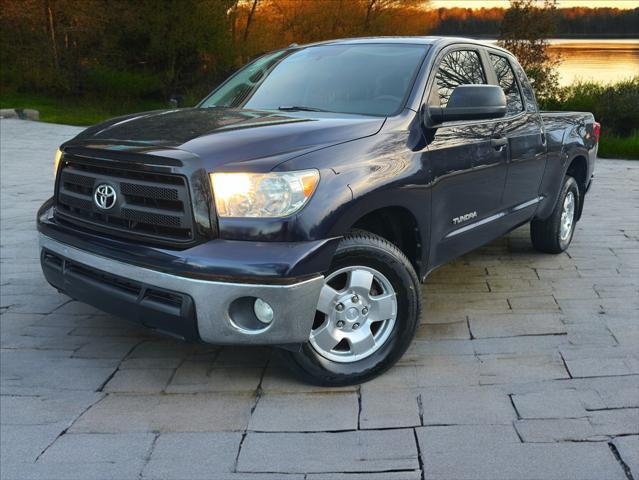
x,y
464,218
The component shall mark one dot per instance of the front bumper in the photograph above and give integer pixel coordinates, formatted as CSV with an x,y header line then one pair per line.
x,y
218,312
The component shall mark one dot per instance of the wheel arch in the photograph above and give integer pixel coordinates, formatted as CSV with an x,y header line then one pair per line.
x,y
398,225
578,169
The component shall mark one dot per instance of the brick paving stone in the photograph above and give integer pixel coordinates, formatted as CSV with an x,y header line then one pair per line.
x,y
500,369
557,404
177,456
592,334
151,363
47,409
601,362
389,408
522,345
203,377
470,454
622,421
166,413
466,405
557,430
149,380
420,351
408,475
628,448
42,370
361,451
443,331
515,324
277,379
624,329
114,456
305,412
23,443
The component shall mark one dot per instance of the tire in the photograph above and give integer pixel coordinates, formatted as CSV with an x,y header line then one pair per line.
x,y
552,235
355,359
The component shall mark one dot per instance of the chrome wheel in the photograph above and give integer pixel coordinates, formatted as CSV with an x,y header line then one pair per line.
x,y
567,217
355,316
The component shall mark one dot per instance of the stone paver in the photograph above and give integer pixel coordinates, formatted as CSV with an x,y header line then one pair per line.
x,y
525,366
192,455
468,453
359,451
331,411
628,449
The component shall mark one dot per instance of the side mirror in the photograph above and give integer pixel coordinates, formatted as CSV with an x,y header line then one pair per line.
x,y
471,102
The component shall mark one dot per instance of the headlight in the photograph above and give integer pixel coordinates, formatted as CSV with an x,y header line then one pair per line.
x,y
56,162
262,194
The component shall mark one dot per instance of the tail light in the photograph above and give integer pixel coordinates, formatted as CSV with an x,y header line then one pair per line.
x,y
596,130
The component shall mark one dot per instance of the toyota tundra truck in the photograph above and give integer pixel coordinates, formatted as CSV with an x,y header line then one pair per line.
x,y
303,202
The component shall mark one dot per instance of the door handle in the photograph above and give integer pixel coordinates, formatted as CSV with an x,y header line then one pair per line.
x,y
499,143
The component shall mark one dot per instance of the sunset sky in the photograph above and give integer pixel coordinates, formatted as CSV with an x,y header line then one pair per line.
x,y
561,3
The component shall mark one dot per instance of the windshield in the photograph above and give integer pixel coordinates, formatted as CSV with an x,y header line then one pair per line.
x,y
366,79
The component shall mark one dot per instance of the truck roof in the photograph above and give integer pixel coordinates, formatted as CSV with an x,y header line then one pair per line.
x,y
408,40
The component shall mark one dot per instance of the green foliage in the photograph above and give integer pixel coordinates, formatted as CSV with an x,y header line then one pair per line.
x,y
114,49
109,82
614,105
525,31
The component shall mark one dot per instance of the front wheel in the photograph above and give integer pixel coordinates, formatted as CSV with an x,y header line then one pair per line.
x,y
554,234
366,317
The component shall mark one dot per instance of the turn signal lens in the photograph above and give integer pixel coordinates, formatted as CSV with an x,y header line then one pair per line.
x,y
56,162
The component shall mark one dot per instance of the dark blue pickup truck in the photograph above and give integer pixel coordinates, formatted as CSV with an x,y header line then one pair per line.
x,y
302,203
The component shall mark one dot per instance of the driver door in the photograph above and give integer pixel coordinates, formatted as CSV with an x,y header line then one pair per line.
x,y
467,165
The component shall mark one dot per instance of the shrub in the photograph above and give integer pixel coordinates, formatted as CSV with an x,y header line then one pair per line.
x,y
614,105
107,82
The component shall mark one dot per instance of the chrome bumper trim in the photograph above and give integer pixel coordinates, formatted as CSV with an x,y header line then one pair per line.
x,y
294,305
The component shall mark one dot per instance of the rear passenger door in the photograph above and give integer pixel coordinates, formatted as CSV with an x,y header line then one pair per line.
x,y
523,128
467,169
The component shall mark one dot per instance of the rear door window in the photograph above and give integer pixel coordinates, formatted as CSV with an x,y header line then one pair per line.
x,y
526,88
507,81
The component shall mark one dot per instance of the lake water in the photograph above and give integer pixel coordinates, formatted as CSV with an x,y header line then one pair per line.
x,y
605,61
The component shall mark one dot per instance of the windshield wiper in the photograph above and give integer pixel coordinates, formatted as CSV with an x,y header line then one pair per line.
x,y
300,108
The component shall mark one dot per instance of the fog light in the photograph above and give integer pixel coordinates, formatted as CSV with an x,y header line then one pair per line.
x,y
263,311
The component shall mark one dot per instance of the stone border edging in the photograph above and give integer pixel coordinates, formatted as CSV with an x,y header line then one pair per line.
x,y
20,113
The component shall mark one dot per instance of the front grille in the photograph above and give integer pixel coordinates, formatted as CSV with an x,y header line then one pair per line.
x,y
154,207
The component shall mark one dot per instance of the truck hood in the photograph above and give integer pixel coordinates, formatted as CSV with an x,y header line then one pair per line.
x,y
222,136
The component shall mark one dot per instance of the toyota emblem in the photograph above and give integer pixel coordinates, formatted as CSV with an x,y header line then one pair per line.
x,y
105,196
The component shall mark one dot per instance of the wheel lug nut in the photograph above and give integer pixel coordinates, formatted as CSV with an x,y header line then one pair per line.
x,y
340,324
354,299
355,326
364,311
339,307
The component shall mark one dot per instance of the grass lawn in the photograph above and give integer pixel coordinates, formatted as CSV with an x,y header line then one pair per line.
x,y
70,111
619,147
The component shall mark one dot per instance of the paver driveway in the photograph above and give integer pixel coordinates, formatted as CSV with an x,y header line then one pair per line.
x,y
525,366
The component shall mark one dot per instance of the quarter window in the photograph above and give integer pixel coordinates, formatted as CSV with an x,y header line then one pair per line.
x,y
507,81
529,95
459,67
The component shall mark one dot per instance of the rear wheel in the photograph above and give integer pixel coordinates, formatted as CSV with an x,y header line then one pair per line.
x,y
366,316
554,234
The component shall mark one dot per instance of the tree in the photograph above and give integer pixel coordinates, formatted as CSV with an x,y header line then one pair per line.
x,y
525,30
